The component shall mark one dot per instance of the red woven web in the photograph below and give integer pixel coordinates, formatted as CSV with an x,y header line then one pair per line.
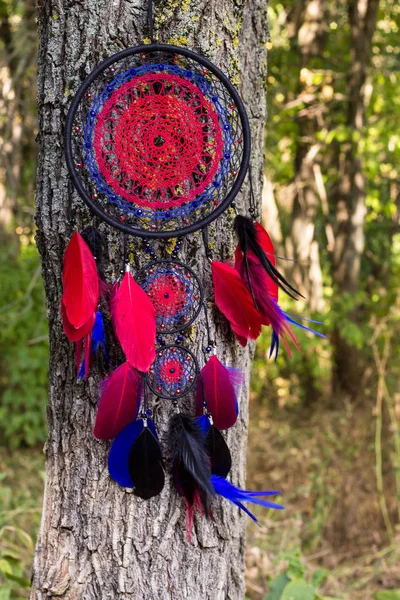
x,y
158,141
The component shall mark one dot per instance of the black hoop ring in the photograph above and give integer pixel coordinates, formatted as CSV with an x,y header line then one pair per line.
x,y
196,279
147,49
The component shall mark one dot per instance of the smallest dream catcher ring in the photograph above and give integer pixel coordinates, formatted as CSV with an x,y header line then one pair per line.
x,y
157,144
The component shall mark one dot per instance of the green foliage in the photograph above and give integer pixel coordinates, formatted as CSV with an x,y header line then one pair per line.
x,y
19,518
292,584
23,347
387,595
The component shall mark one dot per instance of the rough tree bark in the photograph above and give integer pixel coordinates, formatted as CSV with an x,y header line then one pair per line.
x,y
97,540
350,197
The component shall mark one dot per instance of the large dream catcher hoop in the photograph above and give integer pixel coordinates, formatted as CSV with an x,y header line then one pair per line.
x,y
157,144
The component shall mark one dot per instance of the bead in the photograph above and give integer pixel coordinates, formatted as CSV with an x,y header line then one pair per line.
x,y
233,173
175,402
227,127
112,70
204,403
142,57
151,371
240,141
95,196
77,129
122,271
231,107
252,210
216,184
149,412
166,295
149,249
139,212
208,349
122,218
172,370
227,155
160,355
88,95
173,350
159,388
79,165
214,98
159,339
177,391
191,377
215,202
179,338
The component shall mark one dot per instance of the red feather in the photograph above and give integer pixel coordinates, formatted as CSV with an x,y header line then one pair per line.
x,y
80,281
215,387
234,301
134,323
119,402
73,334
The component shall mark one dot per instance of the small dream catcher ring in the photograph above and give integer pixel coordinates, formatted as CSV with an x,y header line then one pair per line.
x,y
176,294
157,141
173,373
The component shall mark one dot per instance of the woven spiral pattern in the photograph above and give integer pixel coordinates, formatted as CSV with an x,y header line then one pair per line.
x,y
157,140
173,373
175,293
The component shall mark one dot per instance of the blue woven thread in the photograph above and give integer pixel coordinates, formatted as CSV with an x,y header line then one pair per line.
x,y
209,91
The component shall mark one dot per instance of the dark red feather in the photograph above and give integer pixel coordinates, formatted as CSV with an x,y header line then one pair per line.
x,y
234,301
80,282
214,386
134,321
119,402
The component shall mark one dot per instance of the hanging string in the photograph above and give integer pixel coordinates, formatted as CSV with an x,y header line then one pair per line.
x,y
210,342
204,235
150,19
253,205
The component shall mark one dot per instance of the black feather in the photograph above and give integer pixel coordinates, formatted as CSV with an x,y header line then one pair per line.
x,y
247,235
218,451
145,465
190,462
95,241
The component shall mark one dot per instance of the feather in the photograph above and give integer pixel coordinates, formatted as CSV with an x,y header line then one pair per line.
x,y
98,336
121,395
145,464
265,296
214,386
80,282
237,496
95,241
190,466
203,423
235,302
252,239
72,333
134,322
188,450
118,458
218,451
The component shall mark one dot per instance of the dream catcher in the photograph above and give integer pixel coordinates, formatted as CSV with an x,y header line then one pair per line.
x,y
157,145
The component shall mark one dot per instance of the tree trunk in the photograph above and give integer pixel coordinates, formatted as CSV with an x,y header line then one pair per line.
x,y
350,197
98,540
307,32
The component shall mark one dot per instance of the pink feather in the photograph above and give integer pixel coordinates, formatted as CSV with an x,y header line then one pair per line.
x,y
134,322
119,402
72,333
234,301
80,282
215,387
265,293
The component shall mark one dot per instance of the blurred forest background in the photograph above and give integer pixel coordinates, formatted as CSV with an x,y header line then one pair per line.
x,y
325,425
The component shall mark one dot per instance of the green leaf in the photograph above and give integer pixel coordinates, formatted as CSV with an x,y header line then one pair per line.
x,y
277,586
5,593
318,577
387,595
298,590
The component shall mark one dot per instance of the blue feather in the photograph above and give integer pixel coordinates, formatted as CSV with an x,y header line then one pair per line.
x,y
288,318
203,423
81,373
119,452
274,345
98,336
237,496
